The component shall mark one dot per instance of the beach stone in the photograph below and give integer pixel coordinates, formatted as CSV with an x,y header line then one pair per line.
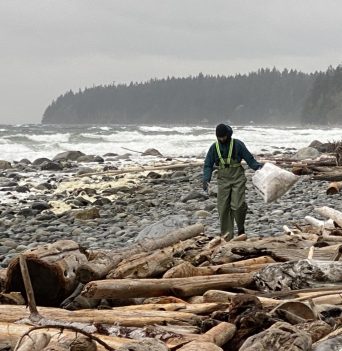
x,y
22,189
90,213
68,155
280,336
321,147
40,160
4,249
151,152
178,174
194,195
10,244
86,158
25,161
5,165
26,212
51,166
85,170
306,153
162,227
202,214
124,157
153,175
40,205
21,248
43,186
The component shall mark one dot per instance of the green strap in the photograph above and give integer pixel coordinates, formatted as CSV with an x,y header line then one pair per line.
x,y
223,163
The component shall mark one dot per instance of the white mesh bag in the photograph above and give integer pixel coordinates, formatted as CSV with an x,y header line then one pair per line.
x,y
272,182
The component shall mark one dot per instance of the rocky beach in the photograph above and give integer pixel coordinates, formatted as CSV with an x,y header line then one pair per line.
x,y
95,202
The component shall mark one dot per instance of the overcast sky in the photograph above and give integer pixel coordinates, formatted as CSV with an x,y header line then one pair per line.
x,y
50,46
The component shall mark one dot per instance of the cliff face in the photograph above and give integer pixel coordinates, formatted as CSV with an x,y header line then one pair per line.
x,y
266,96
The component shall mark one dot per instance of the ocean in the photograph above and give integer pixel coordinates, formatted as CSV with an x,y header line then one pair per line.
x,y
32,141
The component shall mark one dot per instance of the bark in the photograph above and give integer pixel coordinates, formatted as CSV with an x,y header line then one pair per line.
x,y
182,287
139,318
98,270
52,270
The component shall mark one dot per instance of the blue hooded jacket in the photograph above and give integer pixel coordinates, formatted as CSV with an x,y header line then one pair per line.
x,y
240,152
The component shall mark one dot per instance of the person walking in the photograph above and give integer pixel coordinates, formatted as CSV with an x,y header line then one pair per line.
x,y
226,155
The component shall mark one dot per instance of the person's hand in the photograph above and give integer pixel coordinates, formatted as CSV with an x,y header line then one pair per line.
x,y
205,185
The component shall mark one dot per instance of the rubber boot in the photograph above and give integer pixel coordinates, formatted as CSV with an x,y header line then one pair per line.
x,y
240,217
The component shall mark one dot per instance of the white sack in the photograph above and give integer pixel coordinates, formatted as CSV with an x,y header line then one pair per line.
x,y
272,182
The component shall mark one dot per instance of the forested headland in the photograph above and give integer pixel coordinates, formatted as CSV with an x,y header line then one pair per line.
x,y
268,96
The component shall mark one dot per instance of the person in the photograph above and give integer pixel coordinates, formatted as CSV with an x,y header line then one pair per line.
x,y
226,155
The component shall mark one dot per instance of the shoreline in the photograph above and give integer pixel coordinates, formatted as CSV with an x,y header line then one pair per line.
x,y
120,206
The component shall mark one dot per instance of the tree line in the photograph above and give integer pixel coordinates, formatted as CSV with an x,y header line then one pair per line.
x,y
268,96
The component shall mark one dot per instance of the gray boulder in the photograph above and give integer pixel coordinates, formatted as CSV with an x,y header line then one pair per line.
x,y
151,152
163,227
306,153
68,156
5,165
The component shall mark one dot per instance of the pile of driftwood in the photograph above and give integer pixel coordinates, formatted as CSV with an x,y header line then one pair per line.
x,y
184,291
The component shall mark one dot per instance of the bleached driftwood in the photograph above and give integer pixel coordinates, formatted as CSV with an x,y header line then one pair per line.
x,y
98,268
329,212
124,288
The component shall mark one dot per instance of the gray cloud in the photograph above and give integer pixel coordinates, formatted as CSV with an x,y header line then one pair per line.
x,y
50,46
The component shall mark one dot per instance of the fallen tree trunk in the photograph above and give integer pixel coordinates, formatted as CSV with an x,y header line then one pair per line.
x,y
125,288
95,271
186,269
196,308
139,318
329,176
52,270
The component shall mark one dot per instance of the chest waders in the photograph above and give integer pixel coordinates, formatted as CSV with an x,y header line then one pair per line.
x,y
231,183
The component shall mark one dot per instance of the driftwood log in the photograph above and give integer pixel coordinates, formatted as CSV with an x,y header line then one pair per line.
x,y
126,288
334,188
329,212
186,269
52,270
129,318
100,264
298,275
